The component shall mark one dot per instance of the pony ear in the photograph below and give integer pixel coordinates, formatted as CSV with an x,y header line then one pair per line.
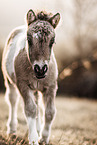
x,y
30,16
55,20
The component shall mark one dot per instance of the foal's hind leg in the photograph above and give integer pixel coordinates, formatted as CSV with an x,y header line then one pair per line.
x,y
11,97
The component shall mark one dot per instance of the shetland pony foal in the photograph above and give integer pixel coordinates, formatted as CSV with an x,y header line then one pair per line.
x,y
29,66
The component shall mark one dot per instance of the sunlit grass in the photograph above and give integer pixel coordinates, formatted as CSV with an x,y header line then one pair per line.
x,y
75,123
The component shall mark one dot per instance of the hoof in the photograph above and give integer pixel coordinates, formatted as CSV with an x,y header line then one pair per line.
x,y
43,142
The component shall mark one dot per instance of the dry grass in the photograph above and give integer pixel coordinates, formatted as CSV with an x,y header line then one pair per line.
x,y
75,123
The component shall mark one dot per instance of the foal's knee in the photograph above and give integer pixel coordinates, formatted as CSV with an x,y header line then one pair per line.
x,y
12,95
49,114
31,110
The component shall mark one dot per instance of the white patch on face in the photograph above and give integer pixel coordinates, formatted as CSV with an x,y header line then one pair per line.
x,y
41,63
35,35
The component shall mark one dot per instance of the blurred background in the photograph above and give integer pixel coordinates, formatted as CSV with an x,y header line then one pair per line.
x,y
76,40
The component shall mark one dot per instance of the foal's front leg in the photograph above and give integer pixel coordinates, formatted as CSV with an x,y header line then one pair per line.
x,y
30,109
31,114
49,97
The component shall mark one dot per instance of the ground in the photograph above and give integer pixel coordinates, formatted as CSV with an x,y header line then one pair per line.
x,y
75,123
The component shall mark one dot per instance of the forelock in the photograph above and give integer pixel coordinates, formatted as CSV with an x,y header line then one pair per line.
x,y
43,16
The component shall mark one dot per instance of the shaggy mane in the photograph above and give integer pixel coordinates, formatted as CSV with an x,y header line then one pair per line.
x,y
43,16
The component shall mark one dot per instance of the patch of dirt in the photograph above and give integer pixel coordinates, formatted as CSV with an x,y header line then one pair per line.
x,y
75,123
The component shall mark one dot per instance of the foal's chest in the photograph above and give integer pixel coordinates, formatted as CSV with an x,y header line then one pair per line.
x,y
36,85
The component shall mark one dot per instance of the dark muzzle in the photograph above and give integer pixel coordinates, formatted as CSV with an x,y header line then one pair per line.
x,y
40,72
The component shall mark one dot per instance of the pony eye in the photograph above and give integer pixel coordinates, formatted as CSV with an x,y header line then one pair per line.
x,y
29,41
29,38
52,42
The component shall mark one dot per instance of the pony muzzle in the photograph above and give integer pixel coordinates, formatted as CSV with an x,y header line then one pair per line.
x,y
40,72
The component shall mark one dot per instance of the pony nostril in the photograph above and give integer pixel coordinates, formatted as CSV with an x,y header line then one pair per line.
x,y
40,72
45,68
36,68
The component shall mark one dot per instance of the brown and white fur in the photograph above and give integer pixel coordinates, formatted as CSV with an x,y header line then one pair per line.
x,y
29,66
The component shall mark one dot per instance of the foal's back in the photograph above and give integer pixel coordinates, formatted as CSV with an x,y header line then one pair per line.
x,y
15,42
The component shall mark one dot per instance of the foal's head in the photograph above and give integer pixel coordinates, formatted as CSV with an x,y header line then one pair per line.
x,y
40,39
